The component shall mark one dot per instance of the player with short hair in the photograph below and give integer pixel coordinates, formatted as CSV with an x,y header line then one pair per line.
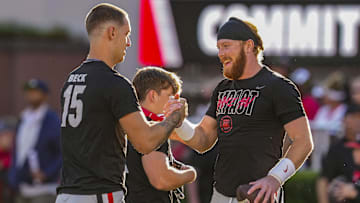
x,y
157,176
99,111
250,112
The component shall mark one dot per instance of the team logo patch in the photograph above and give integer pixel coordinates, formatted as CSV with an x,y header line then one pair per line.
x,y
226,124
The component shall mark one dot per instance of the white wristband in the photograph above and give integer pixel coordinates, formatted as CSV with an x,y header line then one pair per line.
x,y
186,130
283,170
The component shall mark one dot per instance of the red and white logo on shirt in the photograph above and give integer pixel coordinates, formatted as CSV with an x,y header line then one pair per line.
x,y
226,124
236,102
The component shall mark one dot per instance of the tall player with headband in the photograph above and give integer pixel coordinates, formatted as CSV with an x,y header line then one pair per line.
x,y
251,110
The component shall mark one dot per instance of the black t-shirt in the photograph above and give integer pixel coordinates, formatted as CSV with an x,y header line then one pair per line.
x,y
139,188
250,115
93,99
338,162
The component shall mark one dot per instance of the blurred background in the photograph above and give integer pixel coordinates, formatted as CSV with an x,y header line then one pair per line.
x,y
315,43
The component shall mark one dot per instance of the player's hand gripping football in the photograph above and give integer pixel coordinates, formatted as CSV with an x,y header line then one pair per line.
x,y
242,195
263,190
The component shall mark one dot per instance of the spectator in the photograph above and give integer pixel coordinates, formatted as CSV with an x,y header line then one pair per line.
x,y
355,90
6,142
339,164
36,160
327,124
348,191
302,78
280,65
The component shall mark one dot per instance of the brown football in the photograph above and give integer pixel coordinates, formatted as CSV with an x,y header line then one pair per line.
x,y
241,193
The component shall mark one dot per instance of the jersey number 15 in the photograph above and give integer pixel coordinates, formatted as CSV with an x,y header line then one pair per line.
x,y
77,104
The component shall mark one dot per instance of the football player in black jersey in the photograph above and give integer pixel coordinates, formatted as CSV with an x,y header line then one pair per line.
x,y
100,111
145,182
251,110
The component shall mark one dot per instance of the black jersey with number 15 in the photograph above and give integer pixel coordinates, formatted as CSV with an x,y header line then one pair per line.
x,y
93,99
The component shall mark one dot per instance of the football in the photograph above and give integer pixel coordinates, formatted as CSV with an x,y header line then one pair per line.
x,y
241,193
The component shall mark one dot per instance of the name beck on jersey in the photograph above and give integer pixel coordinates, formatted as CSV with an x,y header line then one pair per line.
x,y
77,78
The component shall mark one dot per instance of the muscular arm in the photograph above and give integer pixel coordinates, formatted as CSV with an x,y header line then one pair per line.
x,y
286,145
299,132
163,176
205,135
146,137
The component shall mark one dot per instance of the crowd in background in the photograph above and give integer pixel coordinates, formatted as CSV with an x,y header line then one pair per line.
x,y
30,158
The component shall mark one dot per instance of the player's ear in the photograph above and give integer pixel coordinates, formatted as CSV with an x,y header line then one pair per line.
x,y
111,32
249,46
152,96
